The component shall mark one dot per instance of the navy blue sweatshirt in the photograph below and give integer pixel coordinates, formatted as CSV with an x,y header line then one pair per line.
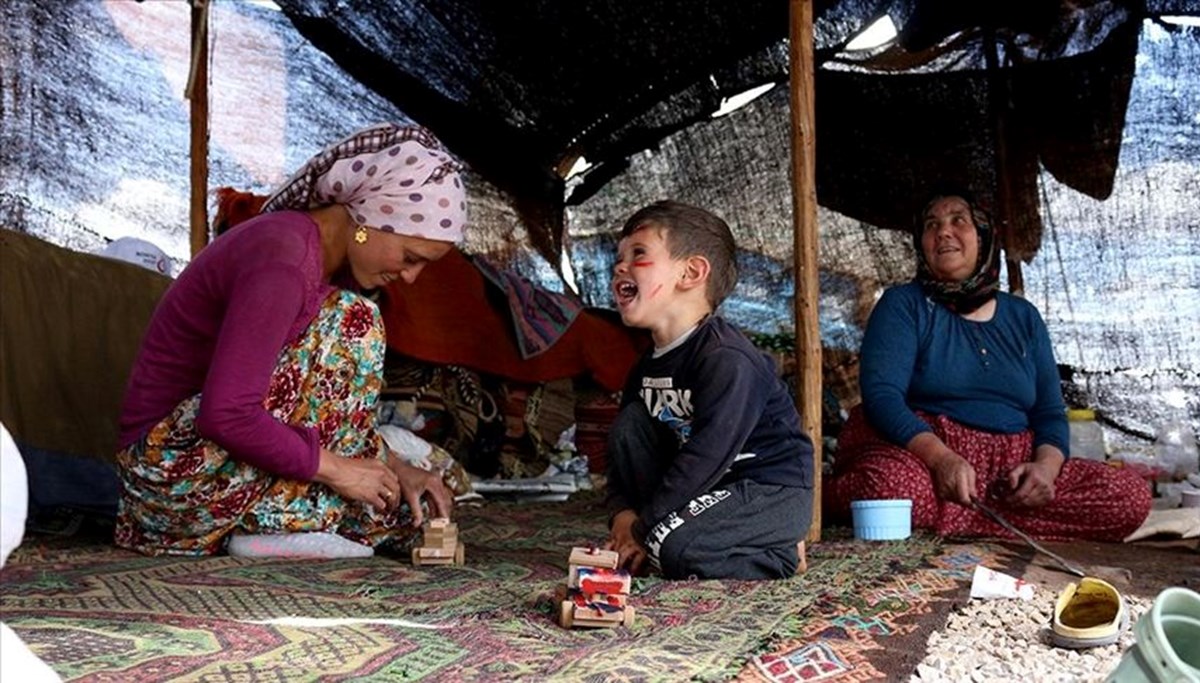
x,y
734,418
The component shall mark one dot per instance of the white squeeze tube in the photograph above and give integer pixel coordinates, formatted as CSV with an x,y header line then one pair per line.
x,y
989,584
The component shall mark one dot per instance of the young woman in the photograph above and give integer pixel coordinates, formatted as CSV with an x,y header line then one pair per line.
x,y
250,410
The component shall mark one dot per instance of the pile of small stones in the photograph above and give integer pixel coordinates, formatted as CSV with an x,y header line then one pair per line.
x,y
1004,640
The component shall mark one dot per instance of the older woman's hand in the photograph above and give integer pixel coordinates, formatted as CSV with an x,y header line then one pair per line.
x,y
417,483
953,478
1032,483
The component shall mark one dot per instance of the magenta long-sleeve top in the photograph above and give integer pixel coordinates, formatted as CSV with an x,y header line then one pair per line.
x,y
219,331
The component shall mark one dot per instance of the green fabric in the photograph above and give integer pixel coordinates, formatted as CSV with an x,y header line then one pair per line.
x,y
70,326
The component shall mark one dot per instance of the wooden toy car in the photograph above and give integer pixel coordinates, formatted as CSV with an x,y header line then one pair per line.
x,y
596,593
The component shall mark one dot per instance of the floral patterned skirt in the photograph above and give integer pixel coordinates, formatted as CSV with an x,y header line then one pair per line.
x,y
183,494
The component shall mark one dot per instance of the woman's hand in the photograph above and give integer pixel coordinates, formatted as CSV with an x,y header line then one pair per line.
x,y
415,484
953,477
366,481
630,553
1032,483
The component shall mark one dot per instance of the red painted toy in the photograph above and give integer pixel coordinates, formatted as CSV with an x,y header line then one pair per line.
x,y
596,593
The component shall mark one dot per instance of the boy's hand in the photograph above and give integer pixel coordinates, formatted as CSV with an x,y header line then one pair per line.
x,y
631,553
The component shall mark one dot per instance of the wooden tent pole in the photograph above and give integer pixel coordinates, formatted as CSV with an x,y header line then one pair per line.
x,y
805,235
197,96
998,107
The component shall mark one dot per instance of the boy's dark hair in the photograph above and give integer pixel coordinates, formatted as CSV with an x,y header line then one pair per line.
x,y
691,231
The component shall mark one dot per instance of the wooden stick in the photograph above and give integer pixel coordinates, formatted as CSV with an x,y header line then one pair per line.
x,y
197,94
998,108
804,221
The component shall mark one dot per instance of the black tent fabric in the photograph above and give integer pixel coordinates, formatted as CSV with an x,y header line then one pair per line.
x,y
1098,103
521,89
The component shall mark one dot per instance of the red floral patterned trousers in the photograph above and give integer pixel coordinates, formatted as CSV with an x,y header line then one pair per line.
x,y
1092,500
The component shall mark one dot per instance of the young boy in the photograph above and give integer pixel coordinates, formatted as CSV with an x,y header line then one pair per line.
x,y
710,474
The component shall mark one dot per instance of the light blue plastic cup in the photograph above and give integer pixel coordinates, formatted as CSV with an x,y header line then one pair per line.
x,y
882,520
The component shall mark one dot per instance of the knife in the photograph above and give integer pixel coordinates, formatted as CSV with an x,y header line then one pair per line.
x,y
995,517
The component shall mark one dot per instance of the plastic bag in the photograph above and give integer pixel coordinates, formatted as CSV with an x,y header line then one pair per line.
x,y
1175,450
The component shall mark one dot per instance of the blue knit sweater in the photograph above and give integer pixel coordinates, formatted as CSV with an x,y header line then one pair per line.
x,y
997,376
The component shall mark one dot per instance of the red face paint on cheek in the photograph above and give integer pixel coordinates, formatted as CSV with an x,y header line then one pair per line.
x,y
655,292
642,264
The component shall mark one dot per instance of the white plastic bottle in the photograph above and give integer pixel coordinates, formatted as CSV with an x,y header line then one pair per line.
x,y
1087,436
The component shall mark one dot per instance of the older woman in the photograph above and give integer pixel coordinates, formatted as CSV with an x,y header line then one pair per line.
x,y
962,402
250,410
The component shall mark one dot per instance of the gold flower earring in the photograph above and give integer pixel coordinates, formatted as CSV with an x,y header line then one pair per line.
x,y
360,235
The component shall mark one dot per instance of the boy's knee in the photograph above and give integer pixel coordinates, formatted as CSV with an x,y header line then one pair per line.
x,y
624,428
632,425
666,543
683,558
675,562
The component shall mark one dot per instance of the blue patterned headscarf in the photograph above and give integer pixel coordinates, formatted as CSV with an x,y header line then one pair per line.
x,y
962,296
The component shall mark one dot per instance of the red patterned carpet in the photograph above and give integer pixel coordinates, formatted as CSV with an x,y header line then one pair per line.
x,y
95,613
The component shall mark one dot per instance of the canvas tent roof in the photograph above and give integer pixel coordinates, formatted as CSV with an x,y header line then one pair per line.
x,y
95,141
521,89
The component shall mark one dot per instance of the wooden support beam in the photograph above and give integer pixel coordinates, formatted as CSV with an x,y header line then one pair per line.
x,y
806,235
197,96
999,106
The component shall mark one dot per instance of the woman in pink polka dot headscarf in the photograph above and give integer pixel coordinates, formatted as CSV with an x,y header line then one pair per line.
x,y
249,418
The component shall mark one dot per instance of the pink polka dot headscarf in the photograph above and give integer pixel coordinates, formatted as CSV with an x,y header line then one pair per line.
x,y
390,177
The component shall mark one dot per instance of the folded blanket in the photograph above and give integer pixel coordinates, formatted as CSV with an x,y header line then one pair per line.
x,y
1181,522
454,315
539,316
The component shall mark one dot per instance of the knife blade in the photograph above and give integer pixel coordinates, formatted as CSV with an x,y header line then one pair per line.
x,y
995,517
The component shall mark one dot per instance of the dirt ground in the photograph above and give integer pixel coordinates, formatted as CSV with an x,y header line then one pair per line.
x,y
1142,568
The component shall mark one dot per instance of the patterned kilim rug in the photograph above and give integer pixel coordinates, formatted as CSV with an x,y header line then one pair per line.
x,y
96,613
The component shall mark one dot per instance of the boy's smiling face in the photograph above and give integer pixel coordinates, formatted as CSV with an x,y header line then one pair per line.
x,y
644,277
